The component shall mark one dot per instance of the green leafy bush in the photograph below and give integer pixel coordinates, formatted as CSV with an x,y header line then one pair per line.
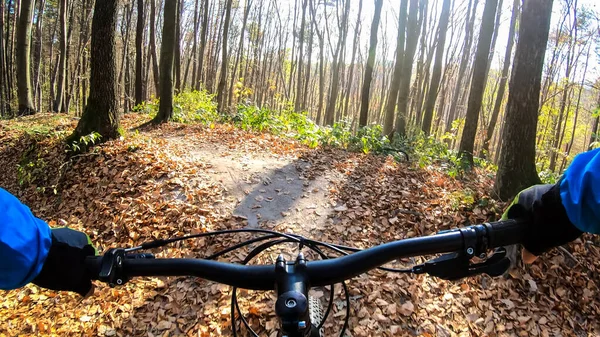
x,y
195,106
188,107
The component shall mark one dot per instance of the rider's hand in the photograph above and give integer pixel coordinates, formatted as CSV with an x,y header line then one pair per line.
x,y
64,268
549,225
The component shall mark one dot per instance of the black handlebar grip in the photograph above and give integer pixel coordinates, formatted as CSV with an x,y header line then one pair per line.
x,y
506,232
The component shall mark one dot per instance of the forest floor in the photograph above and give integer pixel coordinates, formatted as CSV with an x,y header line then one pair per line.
x,y
181,179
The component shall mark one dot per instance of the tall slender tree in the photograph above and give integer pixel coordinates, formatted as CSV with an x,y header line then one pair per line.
x,y
503,79
203,36
466,53
154,56
366,87
437,68
412,36
516,166
62,60
167,57
25,92
338,58
139,53
478,83
392,98
221,95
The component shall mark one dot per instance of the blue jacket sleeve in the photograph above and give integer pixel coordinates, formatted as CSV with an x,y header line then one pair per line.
x,y
24,243
580,191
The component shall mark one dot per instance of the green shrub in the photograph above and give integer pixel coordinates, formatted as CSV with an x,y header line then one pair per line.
x,y
188,107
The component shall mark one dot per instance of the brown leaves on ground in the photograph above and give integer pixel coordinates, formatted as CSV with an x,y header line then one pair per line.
x,y
147,186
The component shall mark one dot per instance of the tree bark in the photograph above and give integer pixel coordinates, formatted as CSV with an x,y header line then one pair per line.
x,y
516,167
577,106
437,68
366,87
101,113
240,50
478,83
62,61
4,100
37,56
503,80
25,93
466,53
139,53
336,67
392,98
412,36
350,81
177,61
203,36
167,56
155,71
221,95
194,56
298,100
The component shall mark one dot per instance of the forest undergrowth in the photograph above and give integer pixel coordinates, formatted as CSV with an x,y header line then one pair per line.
x,y
137,188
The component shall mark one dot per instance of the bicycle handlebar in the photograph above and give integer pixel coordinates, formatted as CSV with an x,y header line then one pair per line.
x,y
470,241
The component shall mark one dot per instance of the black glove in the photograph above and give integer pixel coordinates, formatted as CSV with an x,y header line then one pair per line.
x,y
550,226
64,268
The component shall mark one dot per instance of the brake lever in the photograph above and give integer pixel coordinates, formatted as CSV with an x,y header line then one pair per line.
x,y
111,269
455,266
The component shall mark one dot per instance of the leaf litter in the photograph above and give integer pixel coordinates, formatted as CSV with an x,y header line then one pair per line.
x,y
147,186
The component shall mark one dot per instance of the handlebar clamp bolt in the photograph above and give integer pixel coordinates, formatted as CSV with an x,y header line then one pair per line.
x,y
470,251
482,256
290,303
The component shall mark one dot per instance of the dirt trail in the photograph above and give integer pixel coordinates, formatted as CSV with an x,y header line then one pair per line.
x,y
264,187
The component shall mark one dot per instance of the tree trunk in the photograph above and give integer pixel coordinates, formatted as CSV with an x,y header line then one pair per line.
x,y
321,62
240,51
437,68
62,61
412,36
221,95
366,87
194,56
355,47
478,83
177,60
503,79
466,53
139,54
4,101
25,92
557,141
336,67
167,56
155,71
516,167
203,36
577,106
101,113
37,56
298,100
392,98
127,15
